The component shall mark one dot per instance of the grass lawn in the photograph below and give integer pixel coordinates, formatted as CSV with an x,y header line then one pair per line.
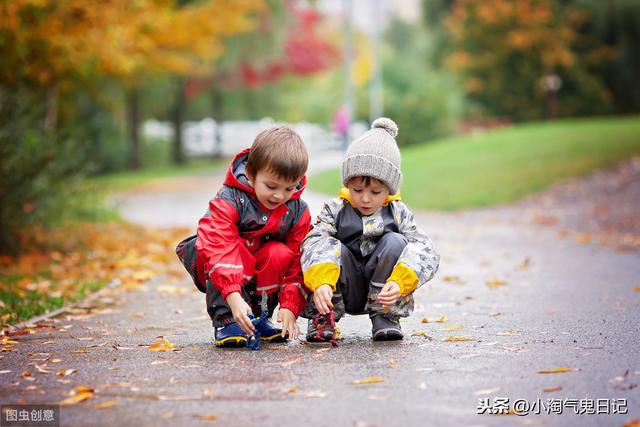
x,y
503,165
126,180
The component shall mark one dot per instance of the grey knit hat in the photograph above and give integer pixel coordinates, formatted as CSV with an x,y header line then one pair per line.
x,y
375,154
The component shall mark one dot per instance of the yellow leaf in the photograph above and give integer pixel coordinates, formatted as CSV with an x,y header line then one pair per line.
x,y
79,350
292,389
456,339
440,319
83,389
77,398
369,380
6,341
106,405
495,283
453,279
637,289
552,389
555,371
208,417
163,345
452,328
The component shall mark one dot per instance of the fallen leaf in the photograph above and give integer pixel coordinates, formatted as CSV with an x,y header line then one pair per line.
x,y
440,319
25,374
291,390
65,372
6,341
42,369
392,363
525,263
452,328
555,371
85,338
453,279
369,380
456,339
637,289
79,350
495,283
421,334
208,417
80,394
552,389
633,423
546,220
163,345
315,394
56,360
106,405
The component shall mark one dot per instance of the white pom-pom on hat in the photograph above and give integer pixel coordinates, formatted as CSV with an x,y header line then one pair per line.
x,y
386,124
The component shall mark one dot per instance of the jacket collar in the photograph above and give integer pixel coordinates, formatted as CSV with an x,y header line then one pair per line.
x,y
345,195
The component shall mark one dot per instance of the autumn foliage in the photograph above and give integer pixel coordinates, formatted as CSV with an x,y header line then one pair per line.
x,y
504,48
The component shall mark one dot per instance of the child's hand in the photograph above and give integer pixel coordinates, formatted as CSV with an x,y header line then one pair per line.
x,y
389,294
239,310
322,298
289,325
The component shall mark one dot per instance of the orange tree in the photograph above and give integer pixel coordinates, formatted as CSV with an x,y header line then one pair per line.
x,y
55,52
513,54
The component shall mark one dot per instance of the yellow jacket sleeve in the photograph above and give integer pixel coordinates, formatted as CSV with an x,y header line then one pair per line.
x,y
405,277
322,274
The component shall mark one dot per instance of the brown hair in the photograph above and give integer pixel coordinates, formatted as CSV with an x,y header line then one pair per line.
x,y
279,150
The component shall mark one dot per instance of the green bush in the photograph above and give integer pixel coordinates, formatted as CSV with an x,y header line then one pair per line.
x,y
39,168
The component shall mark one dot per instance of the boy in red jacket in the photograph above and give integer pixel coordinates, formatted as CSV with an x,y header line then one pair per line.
x,y
247,250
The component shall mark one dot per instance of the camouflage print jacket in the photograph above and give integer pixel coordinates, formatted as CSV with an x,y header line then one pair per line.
x,y
340,224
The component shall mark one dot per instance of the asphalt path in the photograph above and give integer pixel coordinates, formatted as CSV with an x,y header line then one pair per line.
x,y
524,298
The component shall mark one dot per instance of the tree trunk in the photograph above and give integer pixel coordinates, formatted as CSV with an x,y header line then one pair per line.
x,y
51,115
178,112
133,126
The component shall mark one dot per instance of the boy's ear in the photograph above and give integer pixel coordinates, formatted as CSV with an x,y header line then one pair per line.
x,y
249,173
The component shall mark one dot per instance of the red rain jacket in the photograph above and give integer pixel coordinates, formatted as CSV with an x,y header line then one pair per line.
x,y
236,218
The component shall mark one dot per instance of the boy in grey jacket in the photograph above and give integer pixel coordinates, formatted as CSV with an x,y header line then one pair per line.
x,y
365,254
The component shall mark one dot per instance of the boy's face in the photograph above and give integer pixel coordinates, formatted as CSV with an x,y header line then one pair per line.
x,y
367,199
271,189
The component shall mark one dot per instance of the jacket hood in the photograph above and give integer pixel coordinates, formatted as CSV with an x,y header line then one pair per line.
x,y
237,176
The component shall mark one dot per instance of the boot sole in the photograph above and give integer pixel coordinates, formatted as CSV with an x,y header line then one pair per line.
x,y
232,342
388,335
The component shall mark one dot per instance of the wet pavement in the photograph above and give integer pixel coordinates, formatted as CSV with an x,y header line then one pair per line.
x,y
526,298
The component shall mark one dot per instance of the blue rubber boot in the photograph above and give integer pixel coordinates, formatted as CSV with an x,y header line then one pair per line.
x,y
231,335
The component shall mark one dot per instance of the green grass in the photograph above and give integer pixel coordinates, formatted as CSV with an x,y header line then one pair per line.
x,y
504,165
18,304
